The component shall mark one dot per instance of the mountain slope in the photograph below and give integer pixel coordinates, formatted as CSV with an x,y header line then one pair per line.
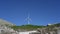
x,y
4,22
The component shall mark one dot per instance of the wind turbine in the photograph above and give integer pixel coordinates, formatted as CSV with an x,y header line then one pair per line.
x,y
28,19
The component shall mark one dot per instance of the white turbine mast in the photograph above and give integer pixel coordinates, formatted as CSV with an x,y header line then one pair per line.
x,y
28,19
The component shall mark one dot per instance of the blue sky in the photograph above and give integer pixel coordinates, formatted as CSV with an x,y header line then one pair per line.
x,y
42,12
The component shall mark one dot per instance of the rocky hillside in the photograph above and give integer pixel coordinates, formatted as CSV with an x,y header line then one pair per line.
x,y
54,25
4,22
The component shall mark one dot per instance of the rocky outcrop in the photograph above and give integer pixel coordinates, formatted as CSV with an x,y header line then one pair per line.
x,y
6,30
49,30
5,27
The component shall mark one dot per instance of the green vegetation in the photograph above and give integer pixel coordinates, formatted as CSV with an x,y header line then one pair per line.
x,y
27,27
33,27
